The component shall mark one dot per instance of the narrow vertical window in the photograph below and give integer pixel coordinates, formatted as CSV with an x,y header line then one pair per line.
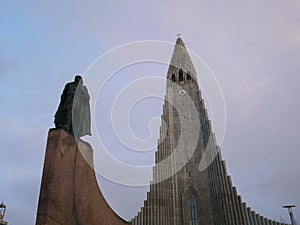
x,y
180,75
173,77
188,76
193,211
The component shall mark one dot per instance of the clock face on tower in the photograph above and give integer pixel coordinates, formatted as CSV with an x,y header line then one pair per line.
x,y
181,92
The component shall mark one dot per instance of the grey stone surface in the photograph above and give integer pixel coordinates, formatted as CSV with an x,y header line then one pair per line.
x,y
218,202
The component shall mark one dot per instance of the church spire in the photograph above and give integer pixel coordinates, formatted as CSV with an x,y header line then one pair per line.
x,y
181,63
179,41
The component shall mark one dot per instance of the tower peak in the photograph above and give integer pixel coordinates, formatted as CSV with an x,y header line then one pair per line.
x,y
179,40
181,61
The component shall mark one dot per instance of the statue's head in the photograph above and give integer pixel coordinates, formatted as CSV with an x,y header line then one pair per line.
x,y
78,79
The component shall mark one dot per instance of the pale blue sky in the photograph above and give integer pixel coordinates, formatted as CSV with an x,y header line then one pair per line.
x,y
253,47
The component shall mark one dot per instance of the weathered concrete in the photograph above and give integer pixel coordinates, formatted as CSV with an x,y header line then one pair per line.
x,y
69,192
187,138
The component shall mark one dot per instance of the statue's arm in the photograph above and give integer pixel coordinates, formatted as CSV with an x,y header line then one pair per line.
x,y
65,93
59,113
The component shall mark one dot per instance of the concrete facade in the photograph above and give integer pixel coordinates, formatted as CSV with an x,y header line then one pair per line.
x,y
185,135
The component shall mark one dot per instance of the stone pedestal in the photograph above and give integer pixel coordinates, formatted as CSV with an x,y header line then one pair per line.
x,y
69,193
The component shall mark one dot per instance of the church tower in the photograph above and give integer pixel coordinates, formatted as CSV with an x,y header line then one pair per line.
x,y
181,193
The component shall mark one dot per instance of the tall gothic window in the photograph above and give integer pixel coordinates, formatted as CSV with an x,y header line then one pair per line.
x,y
180,75
193,211
188,76
173,77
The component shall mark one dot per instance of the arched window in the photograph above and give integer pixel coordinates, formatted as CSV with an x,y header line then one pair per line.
x,y
180,75
193,211
173,77
188,76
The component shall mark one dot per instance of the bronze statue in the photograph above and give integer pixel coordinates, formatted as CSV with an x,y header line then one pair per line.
x,y
73,113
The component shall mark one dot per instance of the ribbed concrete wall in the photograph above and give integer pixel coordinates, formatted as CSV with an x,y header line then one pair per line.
x,y
218,202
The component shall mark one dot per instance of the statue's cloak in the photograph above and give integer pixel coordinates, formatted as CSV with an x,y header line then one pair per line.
x,y
73,113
